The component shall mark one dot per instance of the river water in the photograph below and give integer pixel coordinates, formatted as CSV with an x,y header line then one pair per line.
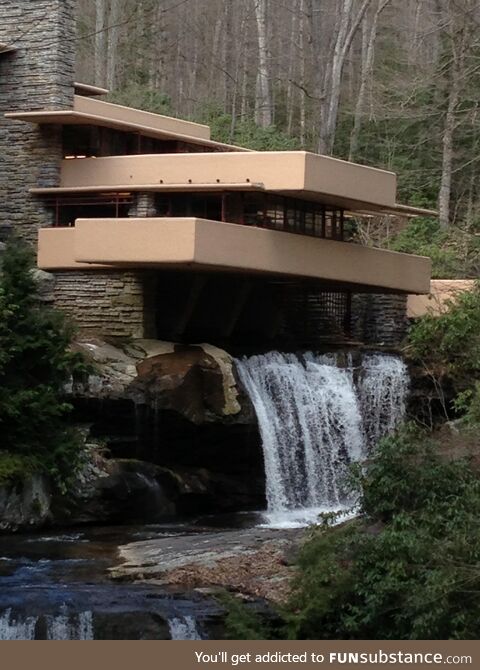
x,y
56,586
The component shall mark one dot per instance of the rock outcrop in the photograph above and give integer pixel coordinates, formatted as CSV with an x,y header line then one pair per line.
x,y
195,381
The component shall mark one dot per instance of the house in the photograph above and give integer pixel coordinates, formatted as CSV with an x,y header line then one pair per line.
x,y
152,229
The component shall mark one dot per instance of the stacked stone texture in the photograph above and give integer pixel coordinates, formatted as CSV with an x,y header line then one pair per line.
x,y
105,303
38,74
379,318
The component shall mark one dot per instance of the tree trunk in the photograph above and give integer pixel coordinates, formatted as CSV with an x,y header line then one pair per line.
x,y
113,20
346,29
263,107
303,111
368,52
460,34
100,42
447,154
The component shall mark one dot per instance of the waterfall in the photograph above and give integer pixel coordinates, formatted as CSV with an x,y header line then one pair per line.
x,y
315,419
383,391
58,627
183,628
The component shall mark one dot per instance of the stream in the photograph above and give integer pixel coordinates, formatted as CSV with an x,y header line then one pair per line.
x,y
55,586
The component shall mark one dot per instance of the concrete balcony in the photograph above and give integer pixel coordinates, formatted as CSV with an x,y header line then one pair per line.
x,y
292,173
200,244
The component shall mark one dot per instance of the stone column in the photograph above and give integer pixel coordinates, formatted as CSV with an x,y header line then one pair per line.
x,y
37,74
143,205
379,318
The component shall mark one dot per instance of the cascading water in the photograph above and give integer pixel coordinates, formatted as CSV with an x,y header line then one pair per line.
x,y
315,419
383,390
59,627
183,628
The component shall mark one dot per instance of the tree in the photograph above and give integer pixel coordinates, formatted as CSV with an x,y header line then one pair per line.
x,y
346,26
369,33
35,364
100,41
112,42
263,103
457,32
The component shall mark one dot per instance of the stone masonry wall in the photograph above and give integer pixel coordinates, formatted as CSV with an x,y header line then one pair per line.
x,y
108,304
379,318
39,74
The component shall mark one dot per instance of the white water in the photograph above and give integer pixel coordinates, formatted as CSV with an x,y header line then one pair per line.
x,y
59,627
183,628
383,391
315,420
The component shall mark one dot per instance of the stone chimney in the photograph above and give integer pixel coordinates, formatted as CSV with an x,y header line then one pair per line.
x,y
36,72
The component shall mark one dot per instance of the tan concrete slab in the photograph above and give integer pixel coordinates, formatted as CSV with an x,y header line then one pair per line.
x,y
211,245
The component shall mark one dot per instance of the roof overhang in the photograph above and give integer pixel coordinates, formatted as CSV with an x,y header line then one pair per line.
x,y
295,174
201,244
89,90
91,112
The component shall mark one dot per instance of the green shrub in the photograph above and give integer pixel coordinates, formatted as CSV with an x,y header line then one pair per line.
x,y
409,568
14,467
450,343
35,363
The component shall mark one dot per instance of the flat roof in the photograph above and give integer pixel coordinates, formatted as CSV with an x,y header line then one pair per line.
x,y
357,188
89,111
290,173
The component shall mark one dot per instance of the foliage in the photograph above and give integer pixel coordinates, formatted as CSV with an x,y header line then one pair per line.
x,y
451,341
242,622
35,363
247,134
14,467
410,568
142,97
455,253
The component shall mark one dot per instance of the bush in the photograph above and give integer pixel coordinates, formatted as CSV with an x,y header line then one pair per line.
x,y
410,567
450,343
35,363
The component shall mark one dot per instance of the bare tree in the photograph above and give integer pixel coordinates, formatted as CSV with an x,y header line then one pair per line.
x,y
369,33
100,41
112,44
263,105
457,28
346,26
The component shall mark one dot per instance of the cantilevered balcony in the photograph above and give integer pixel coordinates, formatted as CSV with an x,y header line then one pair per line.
x,y
296,174
203,245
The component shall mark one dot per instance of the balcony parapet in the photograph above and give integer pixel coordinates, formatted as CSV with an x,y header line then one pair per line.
x,y
201,244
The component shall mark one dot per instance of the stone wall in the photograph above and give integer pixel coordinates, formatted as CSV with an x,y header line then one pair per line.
x,y
39,74
379,318
107,304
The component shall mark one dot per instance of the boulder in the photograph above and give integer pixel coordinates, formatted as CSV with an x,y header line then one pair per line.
x,y
113,490
196,381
